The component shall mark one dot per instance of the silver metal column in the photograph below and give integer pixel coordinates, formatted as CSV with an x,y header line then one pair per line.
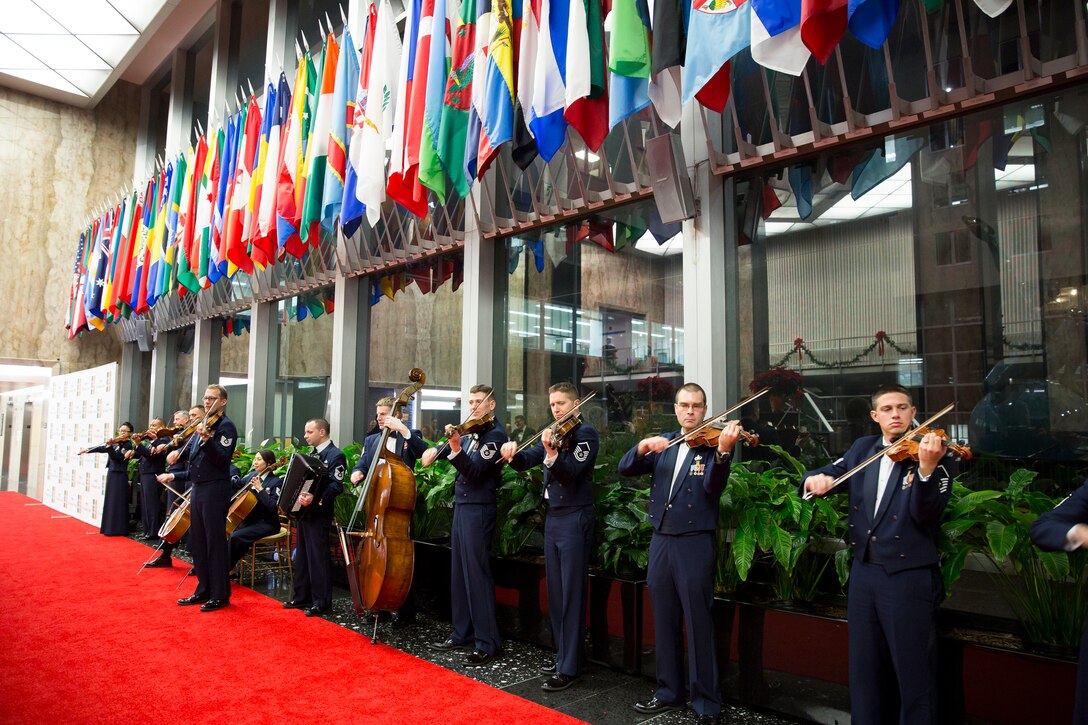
x,y
349,410
164,357
207,346
484,299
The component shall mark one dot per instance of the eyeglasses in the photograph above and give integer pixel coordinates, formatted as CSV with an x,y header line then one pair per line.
x,y
211,397
691,406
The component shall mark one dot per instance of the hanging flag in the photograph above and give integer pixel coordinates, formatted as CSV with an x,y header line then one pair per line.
x,y
801,183
235,245
718,30
776,36
262,244
668,46
156,248
542,67
496,104
871,20
823,23
993,8
431,173
382,94
124,295
76,318
96,276
170,232
130,227
403,184
343,116
883,164
353,207
289,188
117,255
770,201
206,205
628,42
217,261
452,140
193,228
587,71
627,94
138,287
318,150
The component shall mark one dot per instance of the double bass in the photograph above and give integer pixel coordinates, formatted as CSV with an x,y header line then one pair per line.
x,y
380,564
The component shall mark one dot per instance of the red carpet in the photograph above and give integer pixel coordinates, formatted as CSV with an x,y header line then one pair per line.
x,y
84,640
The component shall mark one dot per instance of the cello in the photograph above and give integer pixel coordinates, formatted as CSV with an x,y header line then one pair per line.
x,y
380,565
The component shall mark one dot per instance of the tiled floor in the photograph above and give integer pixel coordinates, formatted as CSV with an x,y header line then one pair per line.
x,y
601,696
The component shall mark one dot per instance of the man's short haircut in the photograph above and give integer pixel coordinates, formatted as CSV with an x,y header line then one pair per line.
x,y
386,402
320,424
690,387
565,388
183,413
219,390
889,388
481,388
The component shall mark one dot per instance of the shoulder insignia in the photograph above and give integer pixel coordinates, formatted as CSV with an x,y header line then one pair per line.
x,y
581,452
338,473
226,441
488,450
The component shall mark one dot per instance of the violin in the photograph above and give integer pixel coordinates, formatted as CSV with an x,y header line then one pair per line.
x,y
123,438
709,437
473,425
153,433
907,449
561,427
208,421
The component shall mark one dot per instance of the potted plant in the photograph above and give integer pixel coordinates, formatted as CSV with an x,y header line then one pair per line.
x,y
784,384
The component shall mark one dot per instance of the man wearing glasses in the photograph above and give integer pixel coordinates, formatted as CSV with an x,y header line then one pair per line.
x,y
209,452
685,485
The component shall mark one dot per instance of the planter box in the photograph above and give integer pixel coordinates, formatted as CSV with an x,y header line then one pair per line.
x,y
617,614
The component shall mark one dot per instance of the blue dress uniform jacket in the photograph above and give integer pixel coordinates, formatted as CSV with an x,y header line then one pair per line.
x,y
151,464
209,474
895,585
409,450
568,538
115,500
693,505
683,553
312,579
472,588
478,473
569,480
1048,532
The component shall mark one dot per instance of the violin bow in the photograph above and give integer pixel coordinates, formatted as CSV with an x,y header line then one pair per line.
x,y
715,419
878,454
445,443
566,416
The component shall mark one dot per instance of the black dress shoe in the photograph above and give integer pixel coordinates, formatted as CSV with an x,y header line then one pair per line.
x,y
191,600
295,605
709,719
654,706
479,657
317,611
556,683
163,562
400,621
212,604
548,669
446,646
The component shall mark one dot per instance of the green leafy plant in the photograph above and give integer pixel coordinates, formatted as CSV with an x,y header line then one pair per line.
x,y
434,499
520,510
622,533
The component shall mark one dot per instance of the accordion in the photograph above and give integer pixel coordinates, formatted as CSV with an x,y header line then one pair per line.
x,y
305,474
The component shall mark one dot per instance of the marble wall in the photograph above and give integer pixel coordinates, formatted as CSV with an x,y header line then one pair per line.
x,y
57,163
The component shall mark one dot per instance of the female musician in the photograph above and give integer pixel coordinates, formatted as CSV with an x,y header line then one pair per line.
x,y
264,519
115,502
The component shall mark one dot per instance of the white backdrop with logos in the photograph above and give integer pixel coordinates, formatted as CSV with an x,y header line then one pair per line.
x,y
82,414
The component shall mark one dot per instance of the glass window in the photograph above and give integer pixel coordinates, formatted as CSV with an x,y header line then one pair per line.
x,y
944,259
305,367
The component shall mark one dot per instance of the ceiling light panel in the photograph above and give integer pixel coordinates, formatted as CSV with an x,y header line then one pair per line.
x,y
23,16
95,17
12,56
61,52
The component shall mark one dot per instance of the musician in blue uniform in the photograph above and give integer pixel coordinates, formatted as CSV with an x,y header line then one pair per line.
x,y
209,452
568,528
895,581
1066,529
472,588
150,466
685,486
403,441
313,586
115,500
166,478
264,519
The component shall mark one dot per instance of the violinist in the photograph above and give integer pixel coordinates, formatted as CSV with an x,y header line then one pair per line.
x,y
313,586
165,446
115,501
685,485
264,519
209,451
895,580
568,462
472,595
150,466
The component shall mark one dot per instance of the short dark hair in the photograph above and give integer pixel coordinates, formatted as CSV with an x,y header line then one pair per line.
x,y
481,388
268,456
889,388
219,390
128,425
566,388
691,388
320,423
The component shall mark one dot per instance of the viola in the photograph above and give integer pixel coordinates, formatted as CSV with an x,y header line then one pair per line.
x,y
709,437
907,449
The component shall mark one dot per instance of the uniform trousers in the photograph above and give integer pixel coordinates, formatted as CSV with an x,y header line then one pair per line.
x,y
312,567
208,538
151,504
246,535
472,588
568,540
681,580
892,622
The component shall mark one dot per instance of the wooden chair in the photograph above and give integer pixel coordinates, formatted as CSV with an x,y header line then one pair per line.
x,y
270,554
